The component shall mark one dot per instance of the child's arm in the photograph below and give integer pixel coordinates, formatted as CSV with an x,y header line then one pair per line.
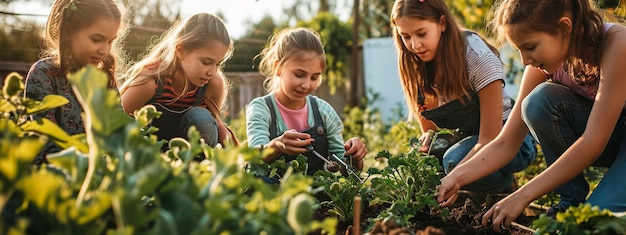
x,y
334,128
490,99
498,152
607,107
258,134
135,97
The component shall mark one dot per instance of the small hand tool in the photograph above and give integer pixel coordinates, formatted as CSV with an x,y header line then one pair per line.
x,y
349,168
310,148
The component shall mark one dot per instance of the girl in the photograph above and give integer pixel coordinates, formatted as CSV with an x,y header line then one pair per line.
x,y
289,118
77,33
453,79
572,101
181,77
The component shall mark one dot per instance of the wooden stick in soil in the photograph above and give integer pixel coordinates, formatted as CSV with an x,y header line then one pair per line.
x,y
357,216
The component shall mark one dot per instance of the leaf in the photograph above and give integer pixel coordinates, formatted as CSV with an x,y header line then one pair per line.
x,y
48,102
6,107
13,84
48,128
98,101
70,161
42,188
9,126
94,208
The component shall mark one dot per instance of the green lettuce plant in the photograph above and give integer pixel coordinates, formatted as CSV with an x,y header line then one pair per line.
x,y
407,185
582,219
122,183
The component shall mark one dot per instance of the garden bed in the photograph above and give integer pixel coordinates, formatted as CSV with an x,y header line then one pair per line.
x,y
464,219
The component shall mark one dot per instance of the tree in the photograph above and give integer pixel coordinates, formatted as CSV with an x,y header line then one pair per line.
x,y
247,47
337,39
148,19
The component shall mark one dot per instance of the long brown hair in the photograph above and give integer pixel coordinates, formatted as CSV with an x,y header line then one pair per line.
x,y
448,70
586,38
70,16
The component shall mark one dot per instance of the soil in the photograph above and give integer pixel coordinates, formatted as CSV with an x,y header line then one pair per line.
x,y
464,219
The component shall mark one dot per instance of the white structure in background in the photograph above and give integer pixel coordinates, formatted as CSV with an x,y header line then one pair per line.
x,y
380,70
381,76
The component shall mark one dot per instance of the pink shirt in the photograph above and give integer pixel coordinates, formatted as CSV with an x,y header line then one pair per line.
x,y
589,92
294,119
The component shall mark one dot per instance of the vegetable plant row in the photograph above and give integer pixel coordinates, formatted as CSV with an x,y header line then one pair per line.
x,y
114,179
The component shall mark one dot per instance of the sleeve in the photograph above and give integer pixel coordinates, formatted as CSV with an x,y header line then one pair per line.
x,y
334,128
484,66
257,122
39,84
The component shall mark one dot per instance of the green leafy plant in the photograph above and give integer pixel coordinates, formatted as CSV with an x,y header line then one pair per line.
x,y
341,191
16,108
407,185
124,184
583,219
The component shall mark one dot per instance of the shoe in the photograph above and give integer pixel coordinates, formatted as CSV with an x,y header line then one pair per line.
x,y
560,207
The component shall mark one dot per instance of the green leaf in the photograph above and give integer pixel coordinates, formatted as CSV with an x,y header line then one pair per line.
x,y
72,162
8,126
48,128
42,188
93,209
98,101
6,107
13,84
48,102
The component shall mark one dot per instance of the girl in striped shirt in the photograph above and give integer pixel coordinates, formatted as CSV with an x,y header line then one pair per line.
x,y
453,79
181,76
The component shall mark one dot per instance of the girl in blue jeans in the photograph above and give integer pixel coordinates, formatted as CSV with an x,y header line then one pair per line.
x,y
454,79
571,99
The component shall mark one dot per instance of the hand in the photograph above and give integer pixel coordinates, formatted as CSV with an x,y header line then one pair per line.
x,y
292,142
504,212
356,148
425,140
447,191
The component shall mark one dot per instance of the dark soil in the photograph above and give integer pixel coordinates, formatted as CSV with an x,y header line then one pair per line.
x,y
464,219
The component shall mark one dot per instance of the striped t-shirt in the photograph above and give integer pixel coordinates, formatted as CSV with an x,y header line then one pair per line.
x,y
484,67
170,100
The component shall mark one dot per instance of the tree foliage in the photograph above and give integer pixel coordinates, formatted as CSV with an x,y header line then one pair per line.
x,y
147,19
337,38
250,45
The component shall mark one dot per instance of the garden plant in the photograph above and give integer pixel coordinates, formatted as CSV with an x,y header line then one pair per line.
x,y
114,179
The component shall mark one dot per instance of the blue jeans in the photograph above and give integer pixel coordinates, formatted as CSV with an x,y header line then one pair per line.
x,y
557,117
173,124
499,180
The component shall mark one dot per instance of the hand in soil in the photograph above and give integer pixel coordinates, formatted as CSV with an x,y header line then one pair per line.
x,y
504,212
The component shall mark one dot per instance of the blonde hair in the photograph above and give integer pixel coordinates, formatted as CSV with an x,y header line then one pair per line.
x,y
195,32
448,71
284,46
69,16
586,38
